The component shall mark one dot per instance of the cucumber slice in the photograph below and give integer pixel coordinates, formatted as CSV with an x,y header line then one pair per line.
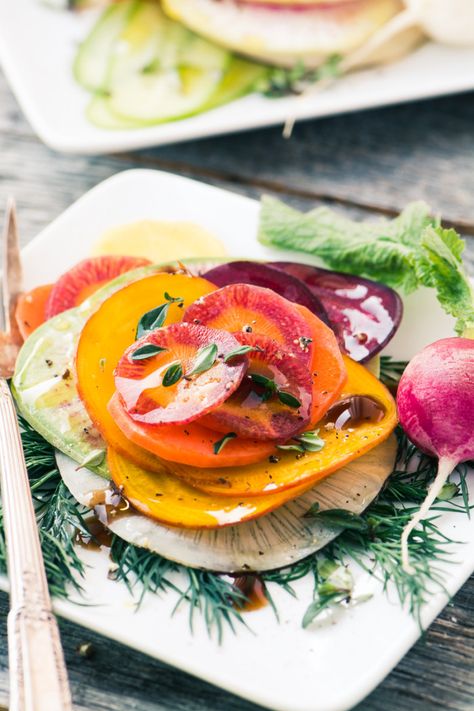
x,y
199,53
137,47
91,66
240,78
101,115
164,95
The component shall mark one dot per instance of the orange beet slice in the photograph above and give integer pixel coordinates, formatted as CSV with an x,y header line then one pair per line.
x,y
265,406
187,444
246,308
328,367
77,284
195,358
110,331
31,309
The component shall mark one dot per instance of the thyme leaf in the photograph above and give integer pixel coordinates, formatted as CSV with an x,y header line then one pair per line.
x,y
288,399
147,351
242,350
152,320
205,359
172,374
221,443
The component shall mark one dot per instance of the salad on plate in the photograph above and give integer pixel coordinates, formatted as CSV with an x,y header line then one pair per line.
x,y
231,418
146,62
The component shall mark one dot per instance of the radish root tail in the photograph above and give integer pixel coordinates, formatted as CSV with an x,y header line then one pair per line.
x,y
445,467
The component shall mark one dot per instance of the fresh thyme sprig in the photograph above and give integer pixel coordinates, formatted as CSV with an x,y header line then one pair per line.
x,y
286,82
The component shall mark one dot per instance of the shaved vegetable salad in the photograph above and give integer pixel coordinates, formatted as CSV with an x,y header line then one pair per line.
x,y
146,62
248,402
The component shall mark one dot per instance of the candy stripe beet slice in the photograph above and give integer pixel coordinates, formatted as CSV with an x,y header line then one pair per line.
x,y
363,313
178,373
258,274
242,308
77,284
273,402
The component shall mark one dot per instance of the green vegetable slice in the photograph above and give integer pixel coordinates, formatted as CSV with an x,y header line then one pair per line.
x,y
92,63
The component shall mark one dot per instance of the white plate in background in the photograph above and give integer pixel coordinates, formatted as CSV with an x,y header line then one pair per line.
x,y
37,48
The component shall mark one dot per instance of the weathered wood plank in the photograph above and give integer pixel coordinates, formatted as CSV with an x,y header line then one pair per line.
x,y
383,158
380,159
45,183
437,674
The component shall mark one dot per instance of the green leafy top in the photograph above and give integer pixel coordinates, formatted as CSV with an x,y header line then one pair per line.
x,y
410,251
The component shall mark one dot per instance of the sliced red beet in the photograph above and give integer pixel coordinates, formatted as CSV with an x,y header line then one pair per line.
x,y
178,373
363,313
243,308
77,284
273,401
259,274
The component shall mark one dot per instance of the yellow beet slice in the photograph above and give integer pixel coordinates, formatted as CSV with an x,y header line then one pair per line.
x,y
294,469
169,500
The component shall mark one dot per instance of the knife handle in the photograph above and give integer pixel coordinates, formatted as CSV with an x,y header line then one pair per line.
x,y
38,677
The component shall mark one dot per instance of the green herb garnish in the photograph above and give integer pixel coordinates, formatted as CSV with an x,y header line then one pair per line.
x,y
205,359
305,442
242,350
408,252
375,545
270,388
172,374
221,443
147,351
152,320
340,518
288,399
284,82
391,370
174,299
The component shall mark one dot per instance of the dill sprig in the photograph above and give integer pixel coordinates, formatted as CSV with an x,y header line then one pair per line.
x,y
213,596
371,539
391,370
59,516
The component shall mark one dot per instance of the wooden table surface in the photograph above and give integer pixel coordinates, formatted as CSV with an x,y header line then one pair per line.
x,y
371,162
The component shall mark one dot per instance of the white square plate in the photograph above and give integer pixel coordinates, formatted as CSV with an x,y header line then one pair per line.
x,y
329,667
38,44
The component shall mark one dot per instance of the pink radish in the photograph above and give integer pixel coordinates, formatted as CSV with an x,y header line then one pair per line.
x,y
435,402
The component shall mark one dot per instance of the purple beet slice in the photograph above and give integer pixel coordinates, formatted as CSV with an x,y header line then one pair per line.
x,y
244,308
273,401
364,314
258,274
176,374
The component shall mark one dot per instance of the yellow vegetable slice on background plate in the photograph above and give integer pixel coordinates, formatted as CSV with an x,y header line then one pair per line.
x,y
285,36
